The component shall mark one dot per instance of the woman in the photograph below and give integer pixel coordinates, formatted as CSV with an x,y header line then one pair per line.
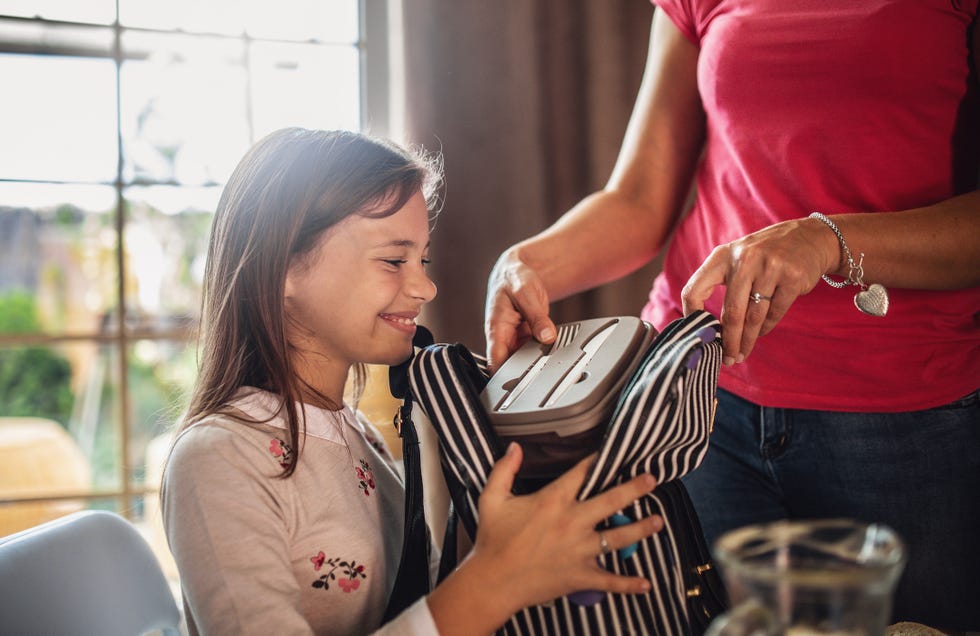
x,y
865,113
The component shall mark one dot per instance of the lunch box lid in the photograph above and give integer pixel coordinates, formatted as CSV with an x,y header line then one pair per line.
x,y
569,386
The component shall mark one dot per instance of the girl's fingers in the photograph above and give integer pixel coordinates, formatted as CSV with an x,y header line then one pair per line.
x,y
629,534
606,581
570,482
615,499
500,481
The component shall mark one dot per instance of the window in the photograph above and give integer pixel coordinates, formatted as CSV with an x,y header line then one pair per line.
x,y
120,121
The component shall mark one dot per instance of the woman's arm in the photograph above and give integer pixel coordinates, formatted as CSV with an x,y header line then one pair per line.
x,y
618,229
933,247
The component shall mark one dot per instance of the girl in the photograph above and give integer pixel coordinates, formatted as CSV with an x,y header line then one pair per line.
x,y
283,508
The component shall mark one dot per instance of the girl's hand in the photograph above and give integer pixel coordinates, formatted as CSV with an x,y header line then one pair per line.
x,y
541,546
516,309
780,263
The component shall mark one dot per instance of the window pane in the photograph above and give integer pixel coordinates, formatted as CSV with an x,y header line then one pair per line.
x,y
166,244
183,108
58,398
57,258
95,422
314,86
62,125
213,16
92,11
161,374
323,20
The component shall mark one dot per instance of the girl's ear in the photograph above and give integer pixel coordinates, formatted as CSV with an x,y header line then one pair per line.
x,y
289,286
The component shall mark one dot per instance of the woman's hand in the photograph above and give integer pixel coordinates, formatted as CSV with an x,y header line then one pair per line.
x,y
779,263
516,309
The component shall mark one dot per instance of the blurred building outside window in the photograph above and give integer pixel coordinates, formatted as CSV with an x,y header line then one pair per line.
x,y
120,122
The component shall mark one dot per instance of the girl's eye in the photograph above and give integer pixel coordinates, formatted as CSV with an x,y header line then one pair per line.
x,y
398,262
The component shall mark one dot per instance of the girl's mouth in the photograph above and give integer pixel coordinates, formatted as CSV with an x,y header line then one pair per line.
x,y
401,322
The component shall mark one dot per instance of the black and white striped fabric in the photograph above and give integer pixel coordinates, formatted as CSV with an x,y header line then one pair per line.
x,y
660,425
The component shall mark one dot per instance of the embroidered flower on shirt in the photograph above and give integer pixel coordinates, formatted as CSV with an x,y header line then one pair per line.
x,y
318,560
282,451
365,477
349,573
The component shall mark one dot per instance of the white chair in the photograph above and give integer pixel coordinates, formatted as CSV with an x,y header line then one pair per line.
x,y
90,572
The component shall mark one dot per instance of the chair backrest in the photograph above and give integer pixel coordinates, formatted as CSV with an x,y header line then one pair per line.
x,y
90,572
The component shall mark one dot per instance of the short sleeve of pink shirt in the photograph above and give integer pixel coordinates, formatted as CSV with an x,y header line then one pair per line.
x,y
839,107
685,15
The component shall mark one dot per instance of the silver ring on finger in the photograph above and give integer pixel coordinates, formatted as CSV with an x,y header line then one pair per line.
x,y
757,298
604,547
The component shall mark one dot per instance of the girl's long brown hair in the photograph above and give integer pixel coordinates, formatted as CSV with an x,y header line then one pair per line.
x,y
287,190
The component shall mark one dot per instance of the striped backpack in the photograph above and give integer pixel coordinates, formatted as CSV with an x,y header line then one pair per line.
x,y
660,425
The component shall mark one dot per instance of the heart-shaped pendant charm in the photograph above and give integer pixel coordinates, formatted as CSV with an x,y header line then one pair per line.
x,y
873,300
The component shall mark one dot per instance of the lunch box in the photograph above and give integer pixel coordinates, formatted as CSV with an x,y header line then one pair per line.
x,y
555,400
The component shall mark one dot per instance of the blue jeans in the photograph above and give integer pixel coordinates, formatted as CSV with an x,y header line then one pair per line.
x,y
916,472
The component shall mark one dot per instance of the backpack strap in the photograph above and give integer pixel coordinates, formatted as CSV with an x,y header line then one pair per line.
x,y
412,580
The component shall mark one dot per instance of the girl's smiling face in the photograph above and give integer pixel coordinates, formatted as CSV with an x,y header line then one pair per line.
x,y
356,296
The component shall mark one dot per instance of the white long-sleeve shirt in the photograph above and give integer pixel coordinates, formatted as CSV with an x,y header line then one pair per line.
x,y
316,553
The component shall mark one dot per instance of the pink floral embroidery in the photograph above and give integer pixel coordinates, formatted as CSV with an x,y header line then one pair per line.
x,y
318,560
282,451
365,477
350,573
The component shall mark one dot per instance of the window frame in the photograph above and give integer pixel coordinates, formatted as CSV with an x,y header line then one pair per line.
x,y
374,52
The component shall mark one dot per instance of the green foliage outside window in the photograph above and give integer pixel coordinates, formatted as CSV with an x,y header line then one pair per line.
x,y
34,381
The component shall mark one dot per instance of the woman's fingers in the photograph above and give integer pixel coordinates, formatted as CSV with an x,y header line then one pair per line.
x,y
715,271
516,308
505,329
702,283
763,274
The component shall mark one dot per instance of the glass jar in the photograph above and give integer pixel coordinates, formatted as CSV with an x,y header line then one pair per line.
x,y
799,578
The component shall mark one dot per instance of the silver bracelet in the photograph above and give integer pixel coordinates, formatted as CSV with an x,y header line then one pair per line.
x,y
872,299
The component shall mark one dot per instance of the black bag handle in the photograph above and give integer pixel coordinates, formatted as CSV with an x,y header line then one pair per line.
x,y
412,581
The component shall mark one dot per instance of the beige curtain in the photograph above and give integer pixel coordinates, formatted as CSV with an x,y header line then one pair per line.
x,y
528,101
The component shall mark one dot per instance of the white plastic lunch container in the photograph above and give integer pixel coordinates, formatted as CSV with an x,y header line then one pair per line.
x,y
555,400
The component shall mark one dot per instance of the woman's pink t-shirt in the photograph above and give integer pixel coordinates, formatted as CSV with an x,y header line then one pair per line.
x,y
834,106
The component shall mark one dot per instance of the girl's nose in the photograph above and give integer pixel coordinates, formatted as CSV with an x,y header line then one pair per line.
x,y
421,286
